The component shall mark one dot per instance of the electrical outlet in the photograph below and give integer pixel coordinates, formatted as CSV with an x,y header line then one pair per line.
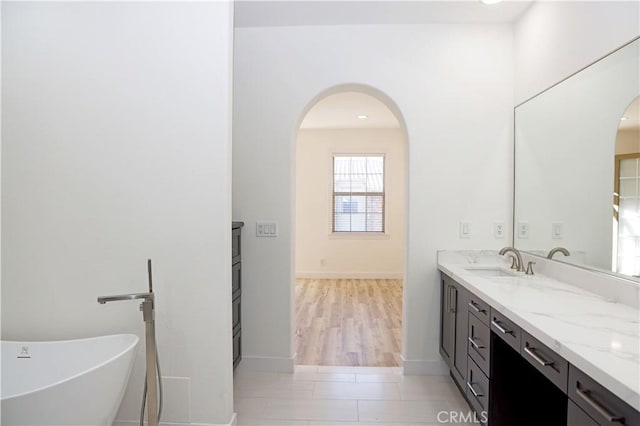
x,y
523,230
498,230
465,229
266,229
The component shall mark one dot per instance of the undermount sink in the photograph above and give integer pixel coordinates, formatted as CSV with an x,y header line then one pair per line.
x,y
491,272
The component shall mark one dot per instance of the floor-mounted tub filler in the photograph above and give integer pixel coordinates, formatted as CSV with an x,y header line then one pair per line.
x,y
70,382
152,394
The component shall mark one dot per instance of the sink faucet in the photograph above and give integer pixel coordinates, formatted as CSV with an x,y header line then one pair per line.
x,y
517,257
556,250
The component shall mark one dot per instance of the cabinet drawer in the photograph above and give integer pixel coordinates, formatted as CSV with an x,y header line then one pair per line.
x,y
237,348
477,389
480,309
546,361
577,417
236,314
235,245
505,329
479,338
600,404
236,280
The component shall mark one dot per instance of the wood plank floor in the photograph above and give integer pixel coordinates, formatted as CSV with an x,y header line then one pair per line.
x,y
354,322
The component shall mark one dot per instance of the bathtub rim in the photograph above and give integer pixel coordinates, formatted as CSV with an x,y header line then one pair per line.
x,y
129,347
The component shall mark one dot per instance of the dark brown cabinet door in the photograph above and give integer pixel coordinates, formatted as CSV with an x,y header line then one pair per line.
x,y
447,318
577,417
460,352
454,315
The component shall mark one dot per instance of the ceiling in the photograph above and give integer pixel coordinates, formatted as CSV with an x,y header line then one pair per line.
x,y
265,13
340,111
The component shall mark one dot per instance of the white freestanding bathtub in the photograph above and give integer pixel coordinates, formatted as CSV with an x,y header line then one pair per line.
x,y
70,382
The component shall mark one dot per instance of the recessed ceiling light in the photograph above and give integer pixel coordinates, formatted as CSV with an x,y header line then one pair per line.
x,y
624,118
363,117
490,1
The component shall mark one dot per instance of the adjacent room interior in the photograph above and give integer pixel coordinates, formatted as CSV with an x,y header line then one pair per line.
x,y
349,232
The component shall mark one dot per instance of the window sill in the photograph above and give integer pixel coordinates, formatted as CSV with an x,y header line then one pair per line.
x,y
359,236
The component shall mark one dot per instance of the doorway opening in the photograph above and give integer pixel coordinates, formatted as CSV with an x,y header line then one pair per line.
x,y
350,198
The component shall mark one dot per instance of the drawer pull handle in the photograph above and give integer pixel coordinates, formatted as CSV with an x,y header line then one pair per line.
x,y
500,328
476,308
473,391
611,418
536,357
475,345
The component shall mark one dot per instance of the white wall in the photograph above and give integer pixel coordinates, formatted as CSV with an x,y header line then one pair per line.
x,y
318,252
115,149
454,86
554,39
628,141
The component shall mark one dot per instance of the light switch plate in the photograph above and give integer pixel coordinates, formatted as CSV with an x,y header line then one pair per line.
x,y
498,230
266,229
465,229
557,230
523,230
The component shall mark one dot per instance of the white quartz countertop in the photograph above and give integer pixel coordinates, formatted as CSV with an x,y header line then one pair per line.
x,y
596,335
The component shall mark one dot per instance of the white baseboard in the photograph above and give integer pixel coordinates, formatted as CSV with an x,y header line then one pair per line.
x,y
137,423
424,367
268,364
351,275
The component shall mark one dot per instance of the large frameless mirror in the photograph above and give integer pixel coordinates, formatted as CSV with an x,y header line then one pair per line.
x,y
577,167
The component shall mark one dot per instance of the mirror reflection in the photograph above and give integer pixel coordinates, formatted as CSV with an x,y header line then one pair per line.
x,y
626,194
576,144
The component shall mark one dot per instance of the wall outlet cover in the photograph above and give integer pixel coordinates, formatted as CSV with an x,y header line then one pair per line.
x,y
523,230
498,230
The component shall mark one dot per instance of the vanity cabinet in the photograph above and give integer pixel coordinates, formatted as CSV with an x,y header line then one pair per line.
x,y
479,343
547,362
577,417
594,401
510,377
236,291
477,391
453,328
479,308
505,329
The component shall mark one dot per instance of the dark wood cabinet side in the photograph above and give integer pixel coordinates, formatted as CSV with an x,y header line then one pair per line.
x,y
236,291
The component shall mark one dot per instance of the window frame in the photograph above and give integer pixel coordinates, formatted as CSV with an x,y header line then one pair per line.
x,y
350,233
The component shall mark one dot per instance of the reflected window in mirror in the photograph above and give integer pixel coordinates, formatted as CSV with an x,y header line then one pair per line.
x,y
626,194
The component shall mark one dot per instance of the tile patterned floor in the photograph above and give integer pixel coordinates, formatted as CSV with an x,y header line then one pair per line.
x,y
345,396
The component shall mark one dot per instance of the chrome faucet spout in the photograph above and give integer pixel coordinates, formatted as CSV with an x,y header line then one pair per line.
x,y
557,250
518,258
119,297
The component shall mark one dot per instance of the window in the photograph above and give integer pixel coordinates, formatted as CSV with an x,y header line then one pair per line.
x,y
626,214
358,193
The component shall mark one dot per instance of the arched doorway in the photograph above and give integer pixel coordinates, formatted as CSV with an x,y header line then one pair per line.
x,y
350,229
